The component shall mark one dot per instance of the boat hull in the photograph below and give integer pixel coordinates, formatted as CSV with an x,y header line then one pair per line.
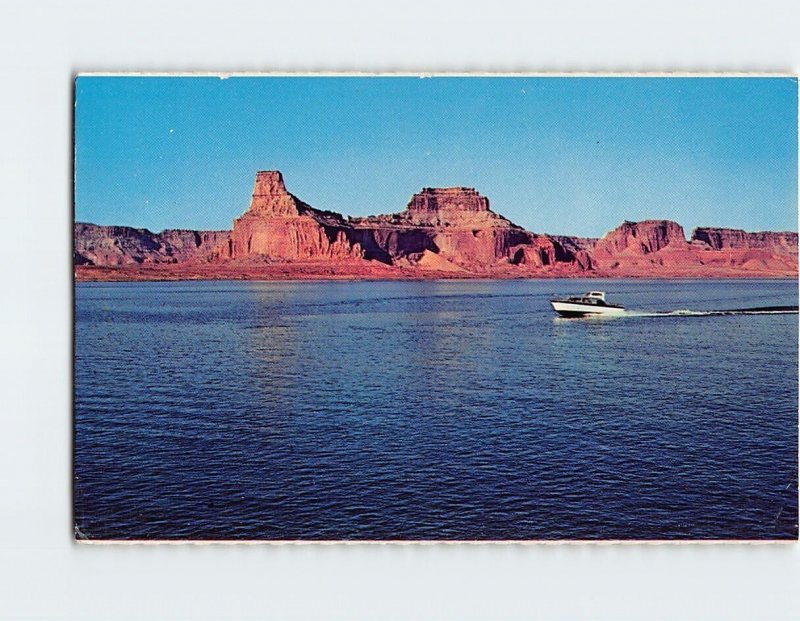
x,y
576,309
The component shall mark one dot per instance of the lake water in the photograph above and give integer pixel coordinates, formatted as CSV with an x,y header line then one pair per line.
x,y
459,410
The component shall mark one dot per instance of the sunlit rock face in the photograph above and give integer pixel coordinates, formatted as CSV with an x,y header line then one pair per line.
x,y
280,226
721,238
641,238
441,230
457,224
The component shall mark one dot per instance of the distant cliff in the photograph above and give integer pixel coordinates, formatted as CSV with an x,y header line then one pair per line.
x,y
122,245
659,247
443,232
721,239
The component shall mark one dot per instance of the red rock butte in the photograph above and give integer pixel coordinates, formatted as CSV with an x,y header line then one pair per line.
x,y
270,195
280,226
443,232
448,199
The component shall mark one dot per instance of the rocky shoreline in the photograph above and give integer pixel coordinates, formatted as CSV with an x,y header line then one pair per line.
x,y
443,233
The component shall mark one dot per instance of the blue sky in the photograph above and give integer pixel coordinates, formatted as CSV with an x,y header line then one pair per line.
x,y
553,154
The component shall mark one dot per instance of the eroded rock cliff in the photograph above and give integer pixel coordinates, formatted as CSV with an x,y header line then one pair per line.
x,y
659,247
442,231
123,245
720,239
458,225
280,226
639,238
454,224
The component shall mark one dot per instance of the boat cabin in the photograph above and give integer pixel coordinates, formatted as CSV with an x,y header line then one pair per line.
x,y
597,298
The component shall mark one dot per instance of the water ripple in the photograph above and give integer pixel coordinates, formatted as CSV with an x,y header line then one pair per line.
x,y
433,410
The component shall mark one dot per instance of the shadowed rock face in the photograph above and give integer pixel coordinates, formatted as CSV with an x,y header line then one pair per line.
x,y
123,245
458,225
641,238
453,222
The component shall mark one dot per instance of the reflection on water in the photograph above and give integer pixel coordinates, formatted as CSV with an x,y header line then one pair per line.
x,y
433,410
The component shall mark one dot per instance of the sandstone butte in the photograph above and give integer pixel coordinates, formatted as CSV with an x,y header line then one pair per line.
x,y
442,233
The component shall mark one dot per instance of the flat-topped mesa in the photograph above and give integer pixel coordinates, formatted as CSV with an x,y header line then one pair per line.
x,y
270,196
448,199
641,238
723,239
445,206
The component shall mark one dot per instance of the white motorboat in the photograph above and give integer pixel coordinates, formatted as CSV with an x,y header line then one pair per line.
x,y
590,303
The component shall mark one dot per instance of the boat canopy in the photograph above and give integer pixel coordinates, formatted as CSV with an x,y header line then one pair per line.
x,y
597,295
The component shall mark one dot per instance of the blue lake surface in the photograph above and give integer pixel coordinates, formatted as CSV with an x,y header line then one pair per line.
x,y
458,410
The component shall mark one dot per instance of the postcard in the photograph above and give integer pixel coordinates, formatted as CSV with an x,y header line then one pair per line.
x,y
435,308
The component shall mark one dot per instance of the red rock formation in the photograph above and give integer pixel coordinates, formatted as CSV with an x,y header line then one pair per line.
x,y
453,223
270,196
538,252
443,232
577,249
123,245
719,239
658,247
457,224
641,238
637,247
764,251
438,206
280,226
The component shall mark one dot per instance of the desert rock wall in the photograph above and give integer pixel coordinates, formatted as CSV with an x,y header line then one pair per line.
x,y
123,245
722,238
442,229
641,238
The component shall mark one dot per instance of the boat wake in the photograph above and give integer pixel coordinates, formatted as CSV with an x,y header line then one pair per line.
x,y
762,310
